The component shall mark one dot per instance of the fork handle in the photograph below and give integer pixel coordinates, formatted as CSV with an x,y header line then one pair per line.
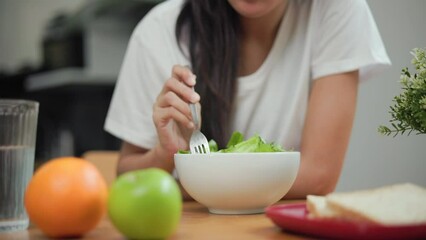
x,y
194,114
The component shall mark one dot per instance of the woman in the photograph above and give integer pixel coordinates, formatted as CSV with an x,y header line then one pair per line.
x,y
287,70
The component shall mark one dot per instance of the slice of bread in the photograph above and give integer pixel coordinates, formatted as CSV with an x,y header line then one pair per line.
x,y
399,204
318,208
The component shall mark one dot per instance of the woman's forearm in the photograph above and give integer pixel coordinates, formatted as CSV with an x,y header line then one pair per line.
x,y
132,160
314,179
326,134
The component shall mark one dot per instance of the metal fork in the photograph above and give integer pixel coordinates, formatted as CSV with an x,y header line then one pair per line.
x,y
198,143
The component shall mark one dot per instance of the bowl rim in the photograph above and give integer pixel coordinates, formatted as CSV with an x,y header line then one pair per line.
x,y
241,153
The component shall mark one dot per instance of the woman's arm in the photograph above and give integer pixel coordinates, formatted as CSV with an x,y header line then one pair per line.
x,y
133,157
326,134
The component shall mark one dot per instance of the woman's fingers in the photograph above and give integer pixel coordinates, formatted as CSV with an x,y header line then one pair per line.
x,y
184,74
184,91
182,83
162,117
177,93
171,106
173,101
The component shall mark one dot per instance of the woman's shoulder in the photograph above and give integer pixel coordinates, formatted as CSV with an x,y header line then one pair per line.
x,y
165,8
333,6
161,17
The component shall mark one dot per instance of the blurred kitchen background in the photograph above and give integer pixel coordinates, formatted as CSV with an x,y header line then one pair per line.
x,y
66,54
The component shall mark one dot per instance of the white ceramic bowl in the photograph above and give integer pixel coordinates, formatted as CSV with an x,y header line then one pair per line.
x,y
237,183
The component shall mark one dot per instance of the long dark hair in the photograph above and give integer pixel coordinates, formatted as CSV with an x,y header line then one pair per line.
x,y
211,26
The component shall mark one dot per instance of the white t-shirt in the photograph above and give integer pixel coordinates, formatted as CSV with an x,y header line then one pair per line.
x,y
316,38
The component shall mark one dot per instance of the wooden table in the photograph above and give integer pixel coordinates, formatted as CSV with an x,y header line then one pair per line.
x,y
196,223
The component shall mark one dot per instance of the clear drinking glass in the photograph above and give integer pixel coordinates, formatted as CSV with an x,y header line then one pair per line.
x,y
18,126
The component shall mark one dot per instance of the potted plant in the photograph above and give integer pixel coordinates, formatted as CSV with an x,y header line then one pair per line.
x,y
409,109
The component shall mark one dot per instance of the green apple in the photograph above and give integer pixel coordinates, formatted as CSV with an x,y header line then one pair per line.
x,y
145,204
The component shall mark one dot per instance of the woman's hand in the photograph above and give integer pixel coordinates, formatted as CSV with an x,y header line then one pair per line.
x,y
173,122
171,112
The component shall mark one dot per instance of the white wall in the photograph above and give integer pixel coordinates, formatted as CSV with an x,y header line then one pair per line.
x,y
375,160
21,29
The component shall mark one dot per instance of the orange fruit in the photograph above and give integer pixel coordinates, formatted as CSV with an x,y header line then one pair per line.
x,y
66,197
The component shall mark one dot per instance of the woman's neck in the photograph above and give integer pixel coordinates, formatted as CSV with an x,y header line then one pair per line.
x,y
257,38
264,27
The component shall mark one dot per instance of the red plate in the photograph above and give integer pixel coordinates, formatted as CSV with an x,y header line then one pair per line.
x,y
294,218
